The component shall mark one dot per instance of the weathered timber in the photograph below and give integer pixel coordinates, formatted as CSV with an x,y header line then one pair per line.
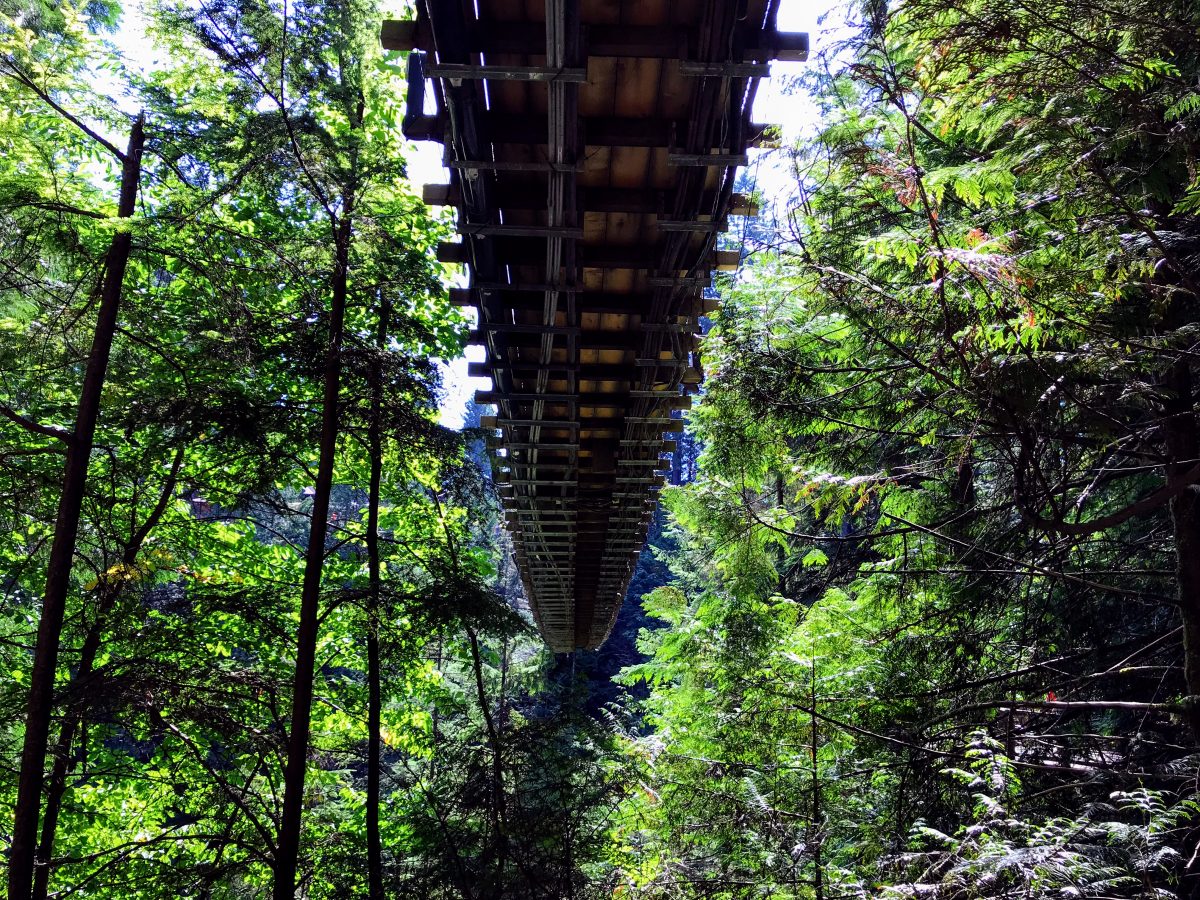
x,y
592,166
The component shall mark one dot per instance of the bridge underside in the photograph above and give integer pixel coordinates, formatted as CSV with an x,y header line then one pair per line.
x,y
592,146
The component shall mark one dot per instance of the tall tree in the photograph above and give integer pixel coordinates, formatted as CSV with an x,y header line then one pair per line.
x,y
314,70
44,79
947,474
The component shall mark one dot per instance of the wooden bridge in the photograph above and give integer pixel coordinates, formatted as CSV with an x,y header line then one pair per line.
x,y
592,146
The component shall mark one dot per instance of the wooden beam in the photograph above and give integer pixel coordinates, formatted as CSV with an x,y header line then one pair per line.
x,y
548,466
507,195
588,400
540,446
707,159
667,424
399,35
604,131
742,205
710,226
587,340
534,301
595,131
514,328
455,71
551,424
528,287
627,41
523,251
613,400
723,70
587,371
498,396
609,304
728,260
667,326
519,230
491,165
440,195
689,283
786,46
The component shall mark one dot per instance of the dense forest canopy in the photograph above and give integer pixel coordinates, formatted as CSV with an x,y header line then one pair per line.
x,y
920,617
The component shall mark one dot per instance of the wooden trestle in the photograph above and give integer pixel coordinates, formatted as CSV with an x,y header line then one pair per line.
x,y
592,146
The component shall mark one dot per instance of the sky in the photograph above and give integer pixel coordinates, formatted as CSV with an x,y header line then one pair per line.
x,y
792,111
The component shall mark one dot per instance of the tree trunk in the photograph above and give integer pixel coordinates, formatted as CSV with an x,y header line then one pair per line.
x,y
1183,448
498,811
62,550
288,849
815,838
77,713
374,692
62,764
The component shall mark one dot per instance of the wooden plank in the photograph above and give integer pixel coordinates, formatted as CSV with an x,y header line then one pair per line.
x,y
398,35
724,70
520,251
537,287
612,400
524,369
540,446
520,328
551,424
661,363
665,394
728,260
456,71
691,283
742,205
607,199
707,159
519,230
534,301
602,341
602,40
595,131
440,195
491,165
668,424
712,226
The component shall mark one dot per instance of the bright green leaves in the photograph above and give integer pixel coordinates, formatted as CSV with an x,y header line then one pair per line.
x,y
969,340
814,557
193,534
987,182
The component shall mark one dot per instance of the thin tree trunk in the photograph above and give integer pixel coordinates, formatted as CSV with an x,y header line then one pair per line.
x,y
62,764
502,699
815,838
499,814
1183,448
374,692
62,550
77,714
288,850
